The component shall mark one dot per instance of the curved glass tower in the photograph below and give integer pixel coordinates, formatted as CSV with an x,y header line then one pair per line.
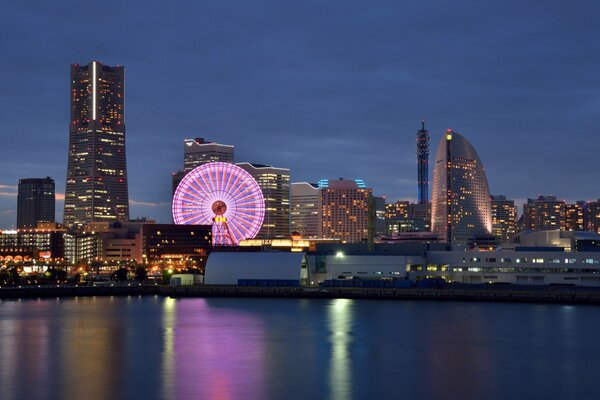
x,y
461,208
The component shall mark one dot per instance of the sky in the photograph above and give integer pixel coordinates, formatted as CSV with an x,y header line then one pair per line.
x,y
328,89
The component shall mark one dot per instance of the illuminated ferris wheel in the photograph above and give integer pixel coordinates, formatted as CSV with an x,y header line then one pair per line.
x,y
222,195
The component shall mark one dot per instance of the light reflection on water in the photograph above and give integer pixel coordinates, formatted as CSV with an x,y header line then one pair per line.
x,y
161,348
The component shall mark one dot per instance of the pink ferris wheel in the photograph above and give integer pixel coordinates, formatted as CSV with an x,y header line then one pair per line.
x,y
222,195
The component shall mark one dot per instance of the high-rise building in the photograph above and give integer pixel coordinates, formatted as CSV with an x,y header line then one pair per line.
x,y
345,210
275,185
96,187
504,218
199,151
461,209
544,213
575,216
305,205
35,202
423,164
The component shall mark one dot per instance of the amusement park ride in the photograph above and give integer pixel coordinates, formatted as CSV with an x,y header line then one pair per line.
x,y
222,195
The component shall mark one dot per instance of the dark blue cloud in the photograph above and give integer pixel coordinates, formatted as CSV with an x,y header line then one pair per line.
x,y
326,88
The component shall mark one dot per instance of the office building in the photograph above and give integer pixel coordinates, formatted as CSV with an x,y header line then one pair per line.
x,y
544,213
345,210
96,187
305,209
275,185
35,202
504,218
200,151
461,209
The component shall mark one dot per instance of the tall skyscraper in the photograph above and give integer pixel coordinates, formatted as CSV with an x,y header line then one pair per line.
x,y
461,209
504,218
199,151
35,202
96,187
305,205
345,210
544,213
275,185
423,164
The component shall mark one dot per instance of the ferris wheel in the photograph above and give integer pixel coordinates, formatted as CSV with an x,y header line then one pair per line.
x,y
222,195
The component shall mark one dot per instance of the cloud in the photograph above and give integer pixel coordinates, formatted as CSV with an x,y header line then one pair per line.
x,y
8,194
60,196
147,203
8,187
7,212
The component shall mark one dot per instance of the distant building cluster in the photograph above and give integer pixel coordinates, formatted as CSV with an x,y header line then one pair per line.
x,y
461,215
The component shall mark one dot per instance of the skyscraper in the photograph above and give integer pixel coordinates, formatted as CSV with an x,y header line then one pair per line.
x,y
199,151
423,164
345,210
275,185
504,218
461,209
96,187
35,202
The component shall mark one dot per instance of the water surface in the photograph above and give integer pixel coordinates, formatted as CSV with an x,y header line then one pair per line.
x,y
232,348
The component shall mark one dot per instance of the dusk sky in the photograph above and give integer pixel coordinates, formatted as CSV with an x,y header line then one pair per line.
x,y
326,88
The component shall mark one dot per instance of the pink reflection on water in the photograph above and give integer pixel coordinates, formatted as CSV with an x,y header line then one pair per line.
x,y
218,352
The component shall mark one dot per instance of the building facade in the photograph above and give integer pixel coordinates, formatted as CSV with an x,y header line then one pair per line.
x,y
544,213
575,216
592,216
504,218
96,188
200,151
345,210
461,208
275,185
305,209
35,202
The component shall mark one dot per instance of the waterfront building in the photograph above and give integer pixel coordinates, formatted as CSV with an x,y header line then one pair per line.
x,y
96,188
421,212
35,202
305,206
504,218
575,216
275,185
461,209
423,165
544,213
345,210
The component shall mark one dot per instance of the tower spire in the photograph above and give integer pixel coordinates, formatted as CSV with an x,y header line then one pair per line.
x,y
423,164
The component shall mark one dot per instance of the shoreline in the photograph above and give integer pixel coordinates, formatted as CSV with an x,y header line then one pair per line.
x,y
546,295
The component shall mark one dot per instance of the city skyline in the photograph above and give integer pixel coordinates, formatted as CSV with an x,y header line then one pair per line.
x,y
364,101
